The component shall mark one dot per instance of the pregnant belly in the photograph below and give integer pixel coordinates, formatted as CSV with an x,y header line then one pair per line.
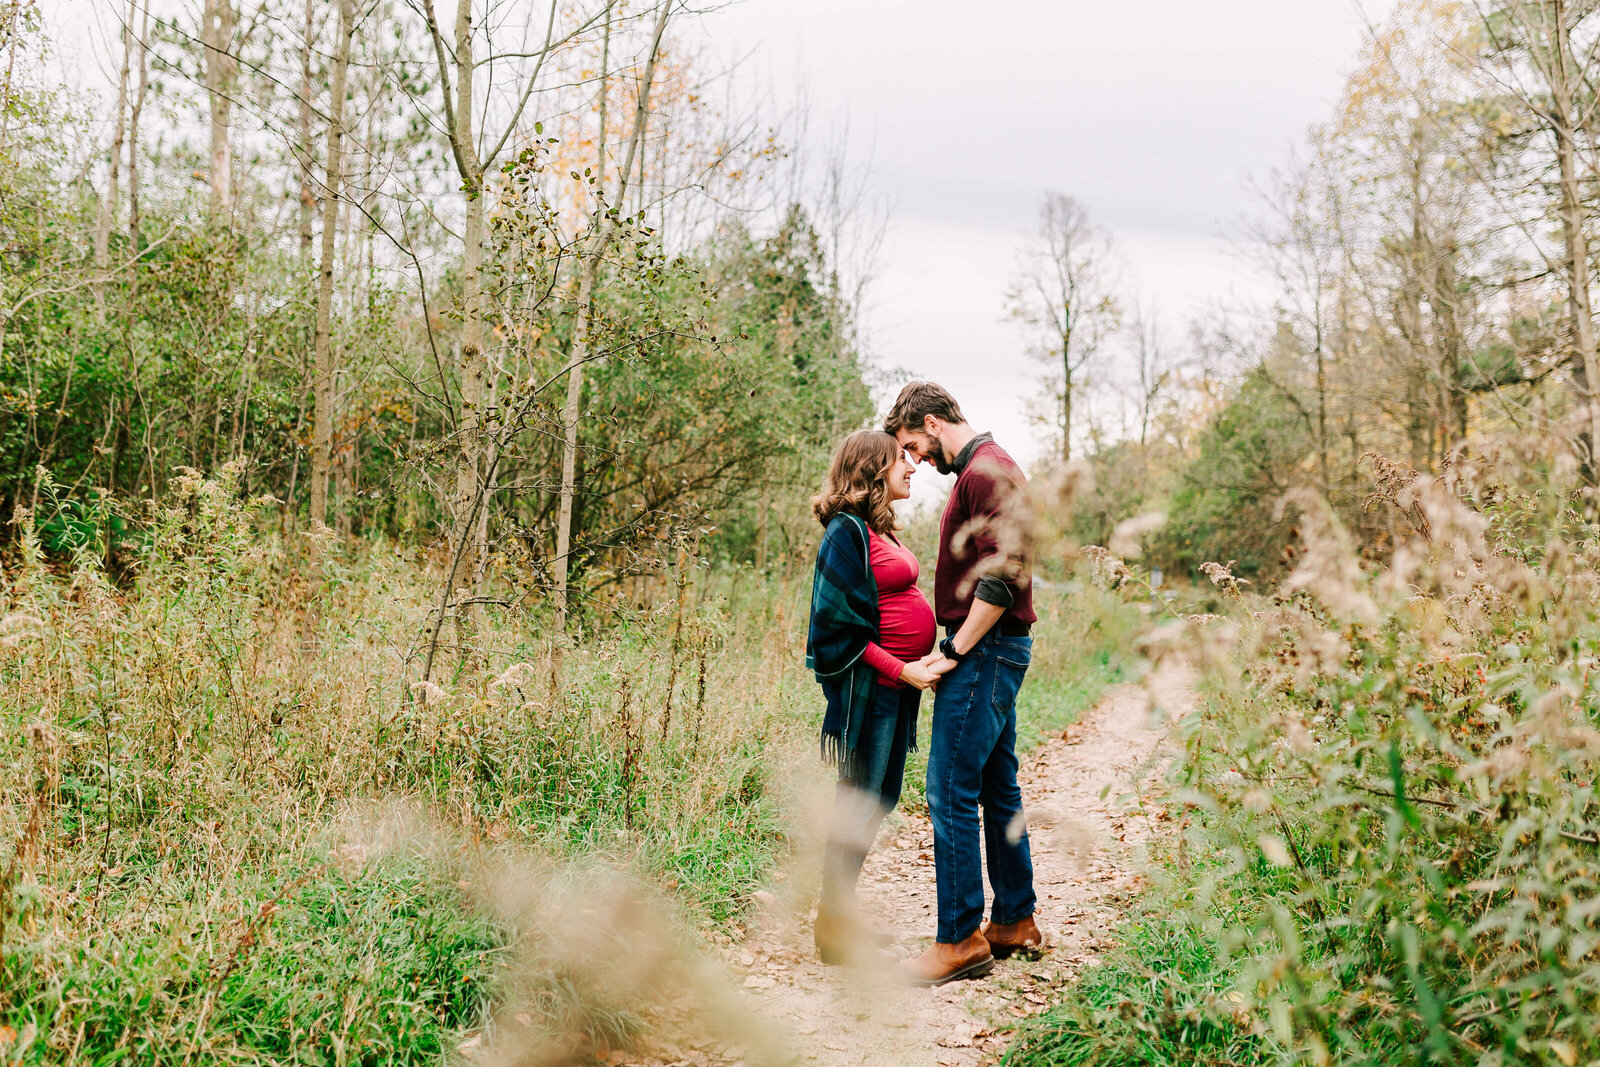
x,y
905,624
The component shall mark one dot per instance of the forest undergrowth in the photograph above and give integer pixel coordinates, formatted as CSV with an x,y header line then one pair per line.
x,y
1388,843
239,830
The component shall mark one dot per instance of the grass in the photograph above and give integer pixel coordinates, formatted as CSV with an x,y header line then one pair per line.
x,y
1383,805
191,762
1173,990
1163,997
239,832
382,967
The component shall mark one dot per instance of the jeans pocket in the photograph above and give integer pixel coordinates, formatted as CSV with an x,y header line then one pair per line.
x,y
1008,674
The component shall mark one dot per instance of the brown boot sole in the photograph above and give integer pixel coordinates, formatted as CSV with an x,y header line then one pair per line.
x,y
834,957
971,970
869,955
1027,952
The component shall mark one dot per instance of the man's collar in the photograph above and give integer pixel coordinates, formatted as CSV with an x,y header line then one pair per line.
x,y
964,457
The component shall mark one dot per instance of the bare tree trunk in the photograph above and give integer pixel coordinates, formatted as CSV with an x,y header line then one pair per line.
x,y
1322,403
1452,355
1066,404
580,348
580,345
308,197
1563,74
221,69
108,204
472,365
133,127
12,17
322,423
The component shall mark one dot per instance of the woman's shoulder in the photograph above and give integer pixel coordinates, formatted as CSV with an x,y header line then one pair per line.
x,y
845,524
845,532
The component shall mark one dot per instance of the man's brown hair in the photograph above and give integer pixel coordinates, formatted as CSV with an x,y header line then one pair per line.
x,y
916,402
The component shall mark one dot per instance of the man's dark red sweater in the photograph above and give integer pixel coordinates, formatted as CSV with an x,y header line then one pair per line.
x,y
986,539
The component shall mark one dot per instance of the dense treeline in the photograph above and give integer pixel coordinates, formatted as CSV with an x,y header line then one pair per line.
x,y
1383,805
349,354
1429,253
292,242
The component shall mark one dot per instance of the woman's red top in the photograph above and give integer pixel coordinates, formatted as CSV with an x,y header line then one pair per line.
x,y
905,619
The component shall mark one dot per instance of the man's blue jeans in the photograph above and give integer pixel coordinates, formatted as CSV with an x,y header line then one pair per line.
x,y
972,764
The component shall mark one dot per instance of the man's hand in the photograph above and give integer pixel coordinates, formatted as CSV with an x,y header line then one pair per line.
x,y
919,674
937,663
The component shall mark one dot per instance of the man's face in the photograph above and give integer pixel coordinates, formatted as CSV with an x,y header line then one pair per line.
x,y
924,445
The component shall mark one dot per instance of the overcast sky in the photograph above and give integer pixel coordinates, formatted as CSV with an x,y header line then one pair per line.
x,y
1155,115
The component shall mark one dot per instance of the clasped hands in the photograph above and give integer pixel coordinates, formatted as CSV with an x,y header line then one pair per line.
x,y
926,672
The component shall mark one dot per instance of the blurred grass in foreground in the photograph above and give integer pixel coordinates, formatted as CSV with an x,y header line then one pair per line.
x,y
237,831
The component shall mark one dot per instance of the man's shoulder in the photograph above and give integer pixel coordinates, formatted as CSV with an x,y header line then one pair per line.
x,y
991,463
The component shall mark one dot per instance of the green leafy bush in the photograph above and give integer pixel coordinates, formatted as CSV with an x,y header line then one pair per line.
x,y
1398,770
188,763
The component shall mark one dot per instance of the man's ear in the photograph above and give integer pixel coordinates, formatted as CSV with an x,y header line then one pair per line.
x,y
931,425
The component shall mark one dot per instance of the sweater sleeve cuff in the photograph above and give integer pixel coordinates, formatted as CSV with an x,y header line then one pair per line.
x,y
881,661
992,590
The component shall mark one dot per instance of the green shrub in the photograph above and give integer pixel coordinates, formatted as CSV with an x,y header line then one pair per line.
x,y
183,760
1398,771
1162,997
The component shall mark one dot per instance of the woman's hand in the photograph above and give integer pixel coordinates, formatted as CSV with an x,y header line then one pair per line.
x,y
918,674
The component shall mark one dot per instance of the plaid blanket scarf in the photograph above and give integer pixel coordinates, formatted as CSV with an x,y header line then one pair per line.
x,y
844,618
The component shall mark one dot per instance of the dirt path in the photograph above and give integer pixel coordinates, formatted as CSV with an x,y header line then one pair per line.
x,y
1087,853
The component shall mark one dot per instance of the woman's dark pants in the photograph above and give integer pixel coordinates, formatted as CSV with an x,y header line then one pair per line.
x,y
863,798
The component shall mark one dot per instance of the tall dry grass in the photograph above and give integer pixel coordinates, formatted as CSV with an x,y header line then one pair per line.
x,y
196,766
236,828
1389,799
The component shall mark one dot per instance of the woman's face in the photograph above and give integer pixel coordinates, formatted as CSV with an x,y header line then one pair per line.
x,y
899,476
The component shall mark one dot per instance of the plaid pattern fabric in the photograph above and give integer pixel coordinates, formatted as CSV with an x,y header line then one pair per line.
x,y
844,618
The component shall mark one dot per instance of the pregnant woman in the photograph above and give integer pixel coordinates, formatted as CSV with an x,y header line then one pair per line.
x,y
870,629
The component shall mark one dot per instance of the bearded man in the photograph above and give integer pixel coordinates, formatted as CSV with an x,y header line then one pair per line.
x,y
983,598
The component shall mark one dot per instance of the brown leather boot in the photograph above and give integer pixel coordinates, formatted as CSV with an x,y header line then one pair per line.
x,y
1006,938
843,939
948,963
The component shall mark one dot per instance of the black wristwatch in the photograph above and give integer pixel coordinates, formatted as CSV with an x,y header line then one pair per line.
x,y
947,649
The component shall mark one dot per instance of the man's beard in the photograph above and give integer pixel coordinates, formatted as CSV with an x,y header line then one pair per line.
x,y
941,462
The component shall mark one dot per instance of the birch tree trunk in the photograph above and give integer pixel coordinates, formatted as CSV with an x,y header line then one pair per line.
x,y
221,71
108,204
1067,386
597,244
308,198
471,366
322,420
133,127
1563,73
570,412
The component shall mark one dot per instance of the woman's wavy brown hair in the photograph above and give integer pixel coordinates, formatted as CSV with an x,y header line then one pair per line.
x,y
857,481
